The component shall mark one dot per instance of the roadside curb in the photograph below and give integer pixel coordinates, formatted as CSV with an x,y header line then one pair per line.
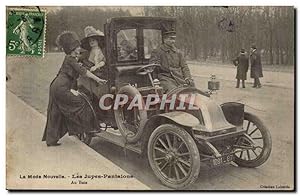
x,y
82,145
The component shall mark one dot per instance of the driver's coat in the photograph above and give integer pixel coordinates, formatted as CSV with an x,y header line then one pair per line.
x,y
174,69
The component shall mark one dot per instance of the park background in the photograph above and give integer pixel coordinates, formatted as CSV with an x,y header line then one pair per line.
x,y
208,34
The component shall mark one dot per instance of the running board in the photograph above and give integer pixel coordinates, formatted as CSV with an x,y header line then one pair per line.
x,y
203,138
120,141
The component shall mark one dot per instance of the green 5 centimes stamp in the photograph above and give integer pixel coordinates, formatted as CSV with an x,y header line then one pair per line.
x,y
25,34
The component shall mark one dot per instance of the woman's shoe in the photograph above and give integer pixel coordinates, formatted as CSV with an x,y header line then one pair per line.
x,y
93,133
54,144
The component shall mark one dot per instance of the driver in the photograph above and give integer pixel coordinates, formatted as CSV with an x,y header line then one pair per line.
x,y
174,71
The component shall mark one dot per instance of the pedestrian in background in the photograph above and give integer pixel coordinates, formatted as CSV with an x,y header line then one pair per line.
x,y
256,67
242,64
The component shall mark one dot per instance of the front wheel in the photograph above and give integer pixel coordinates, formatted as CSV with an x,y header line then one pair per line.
x,y
254,147
173,156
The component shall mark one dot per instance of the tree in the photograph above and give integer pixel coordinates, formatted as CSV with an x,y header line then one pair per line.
x,y
220,32
76,19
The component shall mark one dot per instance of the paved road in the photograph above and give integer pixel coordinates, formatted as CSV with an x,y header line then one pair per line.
x,y
228,72
274,104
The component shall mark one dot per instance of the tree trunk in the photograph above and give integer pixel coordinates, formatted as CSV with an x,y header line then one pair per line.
x,y
277,53
271,46
281,57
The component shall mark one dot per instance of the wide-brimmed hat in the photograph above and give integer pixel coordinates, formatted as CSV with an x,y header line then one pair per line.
x,y
68,40
91,32
127,45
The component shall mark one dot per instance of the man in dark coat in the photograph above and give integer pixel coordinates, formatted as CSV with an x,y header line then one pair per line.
x,y
174,70
242,63
256,67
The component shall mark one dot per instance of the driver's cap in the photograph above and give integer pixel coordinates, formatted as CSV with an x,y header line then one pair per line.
x,y
170,34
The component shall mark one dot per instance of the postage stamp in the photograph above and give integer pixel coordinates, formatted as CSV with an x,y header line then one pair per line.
x,y
25,31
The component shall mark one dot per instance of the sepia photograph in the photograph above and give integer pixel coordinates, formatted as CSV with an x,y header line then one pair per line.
x,y
151,98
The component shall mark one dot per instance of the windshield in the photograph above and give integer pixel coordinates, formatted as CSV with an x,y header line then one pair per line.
x,y
127,45
152,41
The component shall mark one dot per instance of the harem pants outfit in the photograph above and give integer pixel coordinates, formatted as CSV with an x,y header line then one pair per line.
x,y
66,111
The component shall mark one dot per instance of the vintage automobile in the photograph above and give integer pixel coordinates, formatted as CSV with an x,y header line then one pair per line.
x,y
176,142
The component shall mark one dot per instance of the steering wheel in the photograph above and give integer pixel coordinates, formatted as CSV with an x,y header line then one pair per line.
x,y
147,69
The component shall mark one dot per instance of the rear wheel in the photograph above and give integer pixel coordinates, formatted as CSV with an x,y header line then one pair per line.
x,y
254,147
173,156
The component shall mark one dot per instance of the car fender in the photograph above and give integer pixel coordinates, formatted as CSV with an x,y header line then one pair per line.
x,y
233,112
179,117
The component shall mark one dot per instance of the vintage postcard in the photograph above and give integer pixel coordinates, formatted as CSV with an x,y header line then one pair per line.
x,y
150,98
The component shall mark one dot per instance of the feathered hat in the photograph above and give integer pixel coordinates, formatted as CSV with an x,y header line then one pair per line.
x,y
128,45
91,32
68,40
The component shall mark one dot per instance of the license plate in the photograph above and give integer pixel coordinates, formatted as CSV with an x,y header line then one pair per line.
x,y
222,160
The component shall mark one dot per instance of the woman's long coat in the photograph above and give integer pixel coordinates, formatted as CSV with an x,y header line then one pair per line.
x,y
66,111
242,63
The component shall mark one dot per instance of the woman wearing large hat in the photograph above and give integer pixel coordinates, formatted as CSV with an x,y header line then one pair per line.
x,y
94,43
93,59
67,111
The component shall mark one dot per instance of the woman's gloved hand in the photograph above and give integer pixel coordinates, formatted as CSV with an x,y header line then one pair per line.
x,y
94,68
74,92
101,81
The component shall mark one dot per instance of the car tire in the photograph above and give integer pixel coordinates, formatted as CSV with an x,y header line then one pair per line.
x,y
128,134
260,156
176,166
